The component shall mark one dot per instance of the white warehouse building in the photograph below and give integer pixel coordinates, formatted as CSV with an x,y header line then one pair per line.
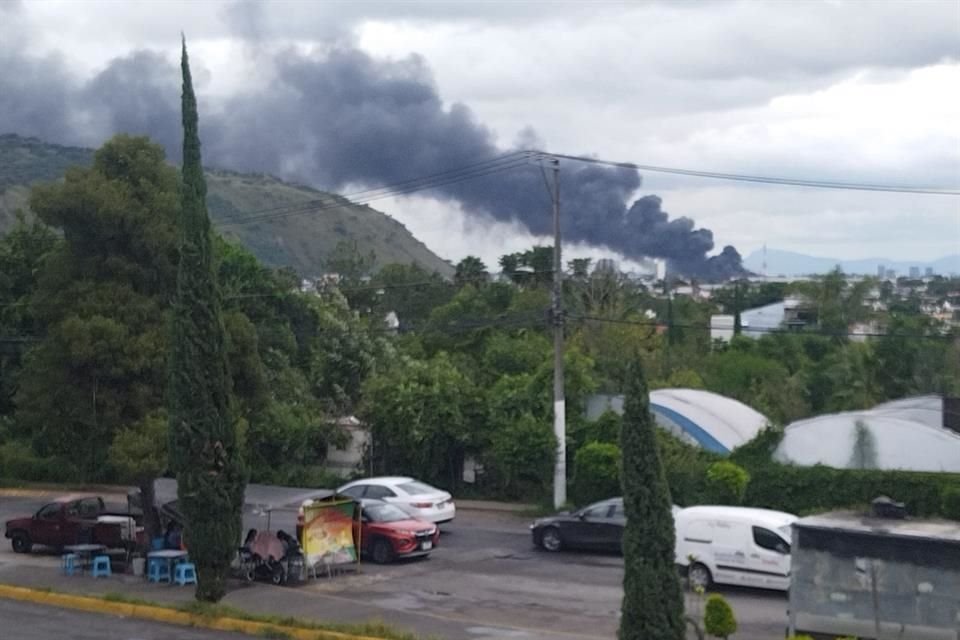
x,y
909,434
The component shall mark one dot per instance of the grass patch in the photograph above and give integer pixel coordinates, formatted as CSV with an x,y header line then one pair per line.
x,y
374,629
113,596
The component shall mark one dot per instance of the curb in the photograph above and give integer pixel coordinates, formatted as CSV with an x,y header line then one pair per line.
x,y
495,507
168,616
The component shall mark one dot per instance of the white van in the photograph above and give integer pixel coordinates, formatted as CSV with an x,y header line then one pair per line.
x,y
734,545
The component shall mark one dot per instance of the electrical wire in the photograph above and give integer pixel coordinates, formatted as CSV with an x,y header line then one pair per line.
x,y
504,163
322,202
794,182
821,332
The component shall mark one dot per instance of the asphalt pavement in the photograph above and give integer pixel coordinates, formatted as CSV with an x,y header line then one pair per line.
x,y
485,581
27,621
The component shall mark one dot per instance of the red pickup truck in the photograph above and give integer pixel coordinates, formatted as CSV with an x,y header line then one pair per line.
x,y
72,520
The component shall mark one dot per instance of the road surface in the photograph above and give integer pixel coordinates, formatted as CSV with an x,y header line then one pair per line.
x,y
485,581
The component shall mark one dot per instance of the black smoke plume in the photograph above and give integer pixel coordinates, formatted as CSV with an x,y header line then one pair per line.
x,y
343,118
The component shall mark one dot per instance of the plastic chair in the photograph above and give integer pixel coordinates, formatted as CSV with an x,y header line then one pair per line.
x,y
186,573
68,563
158,571
101,567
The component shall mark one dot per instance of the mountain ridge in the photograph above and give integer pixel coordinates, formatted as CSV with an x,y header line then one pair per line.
x,y
302,241
790,263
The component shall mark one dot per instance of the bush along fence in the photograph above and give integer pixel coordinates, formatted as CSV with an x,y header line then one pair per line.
x,y
750,477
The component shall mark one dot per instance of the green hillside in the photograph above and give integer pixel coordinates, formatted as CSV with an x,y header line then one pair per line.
x,y
299,241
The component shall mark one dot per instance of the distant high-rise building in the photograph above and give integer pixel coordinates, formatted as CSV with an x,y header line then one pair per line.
x,y
914,272
881,271
928,272
891,274
606,265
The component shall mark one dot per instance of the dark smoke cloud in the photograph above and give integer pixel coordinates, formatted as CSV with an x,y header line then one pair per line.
x,y
345,118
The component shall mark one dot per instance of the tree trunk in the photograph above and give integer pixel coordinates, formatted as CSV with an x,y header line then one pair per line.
x,y
151,519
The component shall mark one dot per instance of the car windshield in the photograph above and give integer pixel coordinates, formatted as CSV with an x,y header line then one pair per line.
x,y
416,488
385,513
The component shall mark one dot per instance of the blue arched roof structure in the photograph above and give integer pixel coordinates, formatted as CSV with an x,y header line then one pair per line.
x,y
715,422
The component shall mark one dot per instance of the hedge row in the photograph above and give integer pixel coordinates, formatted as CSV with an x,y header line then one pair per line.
x,y
800,490
804,490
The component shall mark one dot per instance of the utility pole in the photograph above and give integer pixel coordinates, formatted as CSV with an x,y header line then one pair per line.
x,y
559,400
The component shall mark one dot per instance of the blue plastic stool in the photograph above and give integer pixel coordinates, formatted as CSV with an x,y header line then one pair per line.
x,y
68,562
101,567
186,573
158,571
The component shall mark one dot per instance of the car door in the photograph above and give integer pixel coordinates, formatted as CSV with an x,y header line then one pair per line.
x,y
46,525
589,528
768,560
72,524
618,521
380,492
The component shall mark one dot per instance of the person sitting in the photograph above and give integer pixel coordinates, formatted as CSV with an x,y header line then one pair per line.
x,y
173,538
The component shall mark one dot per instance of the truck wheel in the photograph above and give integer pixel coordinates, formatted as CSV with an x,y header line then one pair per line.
x,y
21,542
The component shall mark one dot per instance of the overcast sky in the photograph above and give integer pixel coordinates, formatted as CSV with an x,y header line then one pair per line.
x,y
845,91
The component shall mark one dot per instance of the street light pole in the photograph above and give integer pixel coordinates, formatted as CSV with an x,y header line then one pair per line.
x,y
559,401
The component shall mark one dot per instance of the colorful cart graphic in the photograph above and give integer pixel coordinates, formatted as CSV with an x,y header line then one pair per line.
x,y
328,532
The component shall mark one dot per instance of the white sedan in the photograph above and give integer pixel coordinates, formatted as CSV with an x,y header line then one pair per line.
x,y
415,497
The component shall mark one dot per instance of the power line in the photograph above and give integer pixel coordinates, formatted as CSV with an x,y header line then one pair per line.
x,y
502,163
795,182
765,331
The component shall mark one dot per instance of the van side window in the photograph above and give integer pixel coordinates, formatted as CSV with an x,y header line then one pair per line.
x,y
766,539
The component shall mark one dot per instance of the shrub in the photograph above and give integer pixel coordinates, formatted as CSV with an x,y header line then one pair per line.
x,y
951,503
19,462
727,482
718,618
801,489
685,466
596,473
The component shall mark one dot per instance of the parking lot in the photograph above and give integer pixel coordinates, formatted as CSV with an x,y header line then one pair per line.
x,y
484,581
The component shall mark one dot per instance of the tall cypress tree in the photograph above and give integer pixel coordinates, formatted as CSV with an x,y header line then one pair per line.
x,y
204,451
652,598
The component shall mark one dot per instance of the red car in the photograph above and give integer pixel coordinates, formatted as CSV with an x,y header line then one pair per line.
x,y
386,532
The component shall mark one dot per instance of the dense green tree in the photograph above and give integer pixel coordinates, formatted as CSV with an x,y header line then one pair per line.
x,y
101,299
471,270
204,449
652,597
139,454
22,251
838,303
411,292
424,418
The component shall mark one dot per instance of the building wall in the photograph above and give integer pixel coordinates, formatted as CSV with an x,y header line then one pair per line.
x,y
345,461
832,593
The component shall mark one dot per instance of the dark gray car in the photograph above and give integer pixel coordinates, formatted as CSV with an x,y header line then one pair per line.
x,y
596,526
